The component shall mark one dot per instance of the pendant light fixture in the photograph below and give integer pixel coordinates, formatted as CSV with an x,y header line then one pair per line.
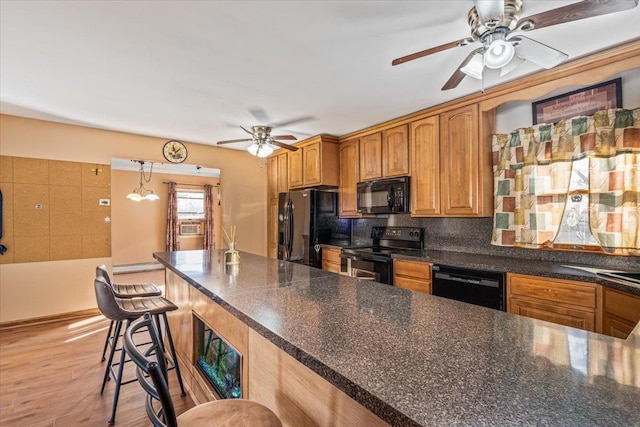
x,y
140,193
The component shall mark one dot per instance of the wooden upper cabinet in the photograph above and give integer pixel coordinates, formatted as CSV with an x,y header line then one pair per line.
x,y
395,151
277,174
283,182
425,178
314,163
272,176
371,156
311,163
460,162
349,176
295,169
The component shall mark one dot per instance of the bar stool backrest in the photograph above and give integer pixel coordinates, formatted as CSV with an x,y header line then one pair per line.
x,y
152,373
101,271
106,300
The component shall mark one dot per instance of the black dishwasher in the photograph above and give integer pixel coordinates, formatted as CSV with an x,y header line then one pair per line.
x,y
479,287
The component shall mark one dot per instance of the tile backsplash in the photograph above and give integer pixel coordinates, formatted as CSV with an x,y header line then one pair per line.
x,y
473,235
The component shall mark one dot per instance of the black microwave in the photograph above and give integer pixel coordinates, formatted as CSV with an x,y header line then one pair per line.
x,y
384,196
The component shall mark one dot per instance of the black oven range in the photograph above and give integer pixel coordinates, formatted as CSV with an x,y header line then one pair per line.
x,y
374,262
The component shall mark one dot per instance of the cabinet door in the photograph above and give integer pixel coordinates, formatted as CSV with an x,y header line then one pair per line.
x,y
555,313
459,161
425,176
272,228
312,172
621,313
395,151
371,157
272,176
283,184
349,176
295,168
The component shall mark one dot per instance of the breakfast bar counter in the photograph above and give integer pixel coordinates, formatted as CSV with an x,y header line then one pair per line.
x,y
407,357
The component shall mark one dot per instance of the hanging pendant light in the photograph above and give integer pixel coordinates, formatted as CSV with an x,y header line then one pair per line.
x,y
140,193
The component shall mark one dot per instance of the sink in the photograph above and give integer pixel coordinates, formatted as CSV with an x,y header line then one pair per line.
x,y
628,278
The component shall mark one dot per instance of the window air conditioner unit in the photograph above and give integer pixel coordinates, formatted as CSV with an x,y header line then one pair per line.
x,y
190,228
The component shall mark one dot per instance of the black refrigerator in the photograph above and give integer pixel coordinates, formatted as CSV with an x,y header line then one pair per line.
x,y
306,219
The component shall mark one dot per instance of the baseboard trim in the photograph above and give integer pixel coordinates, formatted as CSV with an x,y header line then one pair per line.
x,y
50,319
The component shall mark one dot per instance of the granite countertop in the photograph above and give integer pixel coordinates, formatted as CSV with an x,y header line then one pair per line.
x,y
417,359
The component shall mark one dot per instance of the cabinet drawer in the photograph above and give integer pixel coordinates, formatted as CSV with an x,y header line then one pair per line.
x,y
623,305
413,269
412,284
331,255
555,290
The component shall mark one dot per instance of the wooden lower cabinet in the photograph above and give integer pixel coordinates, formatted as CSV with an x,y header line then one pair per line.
x,y
299,396
566,302
331,260
412,275
621,313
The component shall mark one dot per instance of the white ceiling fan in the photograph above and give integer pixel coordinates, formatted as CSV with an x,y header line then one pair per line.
x,y
492,23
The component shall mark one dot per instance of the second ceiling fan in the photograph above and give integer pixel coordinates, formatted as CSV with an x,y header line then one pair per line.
x,y
492,23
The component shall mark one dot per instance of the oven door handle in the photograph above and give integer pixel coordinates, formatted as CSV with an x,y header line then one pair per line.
x,y
365,257
478,281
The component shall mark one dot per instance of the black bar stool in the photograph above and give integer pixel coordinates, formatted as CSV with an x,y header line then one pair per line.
x,y
124,291
152,375
126,310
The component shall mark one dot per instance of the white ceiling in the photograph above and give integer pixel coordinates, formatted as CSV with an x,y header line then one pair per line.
x,y
194,70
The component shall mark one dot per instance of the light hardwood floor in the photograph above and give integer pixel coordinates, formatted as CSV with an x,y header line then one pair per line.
x,y
50,374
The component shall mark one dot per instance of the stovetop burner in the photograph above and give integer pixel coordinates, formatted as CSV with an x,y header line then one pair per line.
x,y
392,240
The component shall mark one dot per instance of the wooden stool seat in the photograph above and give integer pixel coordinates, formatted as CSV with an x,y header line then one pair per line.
x,y
229,412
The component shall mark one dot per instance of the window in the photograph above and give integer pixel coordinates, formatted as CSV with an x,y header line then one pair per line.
x,y
190,204
574,230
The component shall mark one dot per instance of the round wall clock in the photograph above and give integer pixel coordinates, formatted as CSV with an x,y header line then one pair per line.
x,y
175,151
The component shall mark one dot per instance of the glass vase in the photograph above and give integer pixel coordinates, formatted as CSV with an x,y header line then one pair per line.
x,y
232,256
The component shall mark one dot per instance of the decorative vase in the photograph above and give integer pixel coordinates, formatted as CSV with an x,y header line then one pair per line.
x,y
232,256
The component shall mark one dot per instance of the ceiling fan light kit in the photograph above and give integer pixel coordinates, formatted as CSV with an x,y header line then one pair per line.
x,y
262,141
260,149
493,21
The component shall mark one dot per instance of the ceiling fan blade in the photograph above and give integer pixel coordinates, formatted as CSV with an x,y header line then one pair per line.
x,y
285,137
283,145
259,115
426,52
489,10
458,75
229,141
249,132
291,121
538,53
576,11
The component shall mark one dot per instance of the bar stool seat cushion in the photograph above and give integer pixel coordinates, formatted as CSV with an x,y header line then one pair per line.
x,y
130,290
229,413
137,307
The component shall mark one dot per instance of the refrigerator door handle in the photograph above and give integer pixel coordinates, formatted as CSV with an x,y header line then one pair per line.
x,y
291,225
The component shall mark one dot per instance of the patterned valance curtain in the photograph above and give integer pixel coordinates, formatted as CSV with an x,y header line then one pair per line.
x,y
532,168
209,236
172,242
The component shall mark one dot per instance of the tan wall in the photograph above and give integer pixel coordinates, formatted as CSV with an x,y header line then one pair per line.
x,y
139,228
65,286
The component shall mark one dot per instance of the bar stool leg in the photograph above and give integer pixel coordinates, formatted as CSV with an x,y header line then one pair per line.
x,y
106,341
173,353
107,370
118,378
